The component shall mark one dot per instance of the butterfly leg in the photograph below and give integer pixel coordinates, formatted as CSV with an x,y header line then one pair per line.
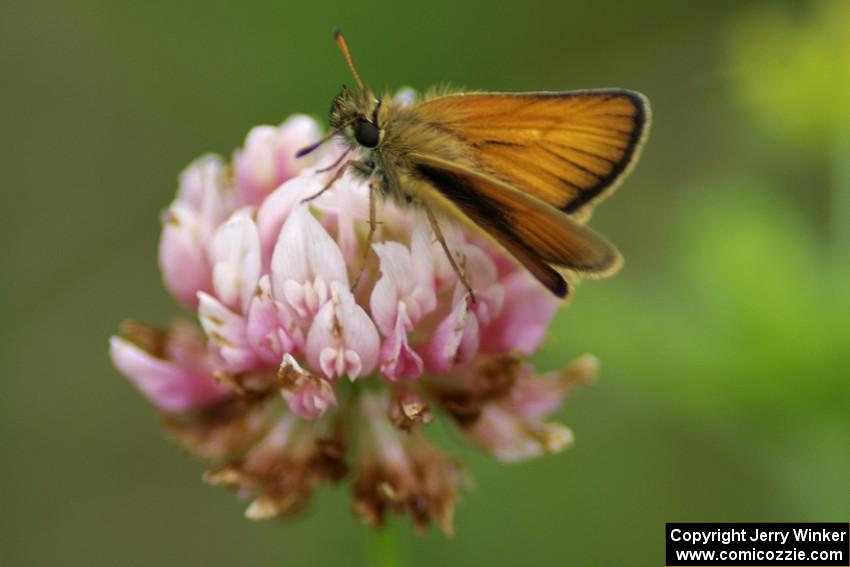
x,y
435,227
373,227
355,163
338,161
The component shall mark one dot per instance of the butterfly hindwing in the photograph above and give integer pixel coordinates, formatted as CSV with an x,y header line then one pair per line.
x,y
546,241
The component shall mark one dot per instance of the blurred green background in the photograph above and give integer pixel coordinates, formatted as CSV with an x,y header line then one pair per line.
x,y
725,341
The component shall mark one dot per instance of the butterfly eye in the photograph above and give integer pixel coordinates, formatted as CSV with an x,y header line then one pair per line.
x,y
366,134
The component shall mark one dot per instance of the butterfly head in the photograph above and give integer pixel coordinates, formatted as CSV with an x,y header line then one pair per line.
x,y
355,116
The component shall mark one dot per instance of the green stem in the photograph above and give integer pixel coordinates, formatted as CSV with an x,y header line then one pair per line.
x,y
384,548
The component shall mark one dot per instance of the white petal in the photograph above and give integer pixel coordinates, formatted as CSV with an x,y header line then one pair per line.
x,y
235,256
401,282
220,324
277,207
305,251
343,336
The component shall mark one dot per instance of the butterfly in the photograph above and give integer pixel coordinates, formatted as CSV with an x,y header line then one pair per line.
x,y
523,169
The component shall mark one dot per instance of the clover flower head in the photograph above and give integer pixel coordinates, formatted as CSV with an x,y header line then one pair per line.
x,y
293,379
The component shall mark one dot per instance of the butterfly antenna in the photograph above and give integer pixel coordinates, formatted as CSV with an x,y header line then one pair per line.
x,y
312,147
315,145
343,46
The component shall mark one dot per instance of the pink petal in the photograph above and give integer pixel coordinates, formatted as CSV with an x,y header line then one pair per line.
x,y
185,346
296,132
533,396
235,258
524,318
227,333
268,158
343,339
305,261
430,257
483,277
182,259
400,284
405,96
511,438
308,396
398,360
276,208
168,386
204,199
270,330
204,188
311,401
346,205
539,396
455,342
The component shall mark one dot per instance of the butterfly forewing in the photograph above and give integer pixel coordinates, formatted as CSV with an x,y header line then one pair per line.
x,y
567,149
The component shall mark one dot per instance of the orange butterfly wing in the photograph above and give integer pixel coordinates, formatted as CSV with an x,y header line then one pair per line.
x,y
568,149
550,244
